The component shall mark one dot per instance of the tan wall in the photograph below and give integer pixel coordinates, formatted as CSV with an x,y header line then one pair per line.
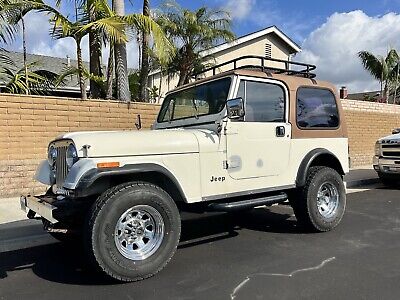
x,y
27,124
367,122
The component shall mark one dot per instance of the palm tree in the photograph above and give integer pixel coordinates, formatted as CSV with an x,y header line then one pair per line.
x,y
95,50
145,68
192,32
130,24
121,62
381,68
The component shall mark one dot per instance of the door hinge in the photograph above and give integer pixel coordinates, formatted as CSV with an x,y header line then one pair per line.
x,y
225,165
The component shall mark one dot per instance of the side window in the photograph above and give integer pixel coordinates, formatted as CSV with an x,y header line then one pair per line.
x,y
265,102
316,108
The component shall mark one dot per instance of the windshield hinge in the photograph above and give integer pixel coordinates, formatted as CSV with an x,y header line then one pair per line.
x,y
225,165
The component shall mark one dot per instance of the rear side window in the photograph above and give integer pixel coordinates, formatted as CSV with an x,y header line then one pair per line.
x,y
316,108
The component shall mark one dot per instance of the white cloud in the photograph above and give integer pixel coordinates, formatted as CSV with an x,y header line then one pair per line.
x,y
333,47
239,9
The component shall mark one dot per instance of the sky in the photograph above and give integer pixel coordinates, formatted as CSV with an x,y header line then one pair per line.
x,y
330,33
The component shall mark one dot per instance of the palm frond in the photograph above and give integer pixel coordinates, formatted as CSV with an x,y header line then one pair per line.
x,y
372,64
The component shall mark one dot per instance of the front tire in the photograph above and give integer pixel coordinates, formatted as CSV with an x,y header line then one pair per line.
x,y
321,203
133,231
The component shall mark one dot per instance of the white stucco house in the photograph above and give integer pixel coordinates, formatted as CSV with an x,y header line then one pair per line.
x,y
270,42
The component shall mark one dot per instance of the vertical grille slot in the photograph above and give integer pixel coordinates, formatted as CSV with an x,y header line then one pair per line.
x,y
61,166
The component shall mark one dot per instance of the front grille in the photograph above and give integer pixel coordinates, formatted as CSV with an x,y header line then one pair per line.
x,y
390,149
61,165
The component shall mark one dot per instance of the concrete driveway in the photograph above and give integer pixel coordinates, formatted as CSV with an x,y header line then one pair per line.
x,y
257,255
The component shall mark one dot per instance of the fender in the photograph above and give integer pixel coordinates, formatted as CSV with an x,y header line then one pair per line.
x,y
85,183
328,158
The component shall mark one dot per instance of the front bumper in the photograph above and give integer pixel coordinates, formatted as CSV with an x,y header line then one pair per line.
x,y
55,209
387,166
39,205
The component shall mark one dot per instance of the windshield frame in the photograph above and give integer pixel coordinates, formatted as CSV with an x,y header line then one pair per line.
x,y
192,120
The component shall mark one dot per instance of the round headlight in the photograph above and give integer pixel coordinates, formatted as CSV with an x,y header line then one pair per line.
x,y
52,155
72,156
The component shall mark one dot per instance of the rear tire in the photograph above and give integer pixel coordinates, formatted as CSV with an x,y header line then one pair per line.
x,y
321,203
133,231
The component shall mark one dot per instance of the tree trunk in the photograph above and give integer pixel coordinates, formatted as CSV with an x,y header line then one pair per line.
x,y
110,73
95,45
25,54
396,83
145,69
121,63
82,84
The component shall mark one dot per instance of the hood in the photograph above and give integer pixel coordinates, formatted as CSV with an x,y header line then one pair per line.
x,y
128,143
390,138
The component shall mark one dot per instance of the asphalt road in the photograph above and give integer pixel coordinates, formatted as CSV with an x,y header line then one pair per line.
x,y
259,255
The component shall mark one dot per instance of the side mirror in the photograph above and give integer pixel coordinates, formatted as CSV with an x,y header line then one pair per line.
x,y
396,131
235,108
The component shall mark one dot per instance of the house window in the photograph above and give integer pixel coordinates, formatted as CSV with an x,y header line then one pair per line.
x,y
268,50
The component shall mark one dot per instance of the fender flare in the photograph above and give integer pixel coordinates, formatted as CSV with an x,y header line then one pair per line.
x,y
91,176
308,161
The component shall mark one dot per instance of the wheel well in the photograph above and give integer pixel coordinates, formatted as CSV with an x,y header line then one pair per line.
x,y
317,157
157,178
328,160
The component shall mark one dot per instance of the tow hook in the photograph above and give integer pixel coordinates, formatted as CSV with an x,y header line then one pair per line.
x,y
47,226
31,214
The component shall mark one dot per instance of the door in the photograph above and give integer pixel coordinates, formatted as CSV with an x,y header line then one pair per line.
x,y
259,145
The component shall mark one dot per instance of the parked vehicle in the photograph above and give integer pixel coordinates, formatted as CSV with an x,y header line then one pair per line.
x,y
387,158
244,138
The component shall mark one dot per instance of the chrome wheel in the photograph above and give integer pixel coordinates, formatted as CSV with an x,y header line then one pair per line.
x,y
328,200
139,232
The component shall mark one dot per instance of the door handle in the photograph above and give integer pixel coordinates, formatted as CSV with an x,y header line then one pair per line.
x,y
280,131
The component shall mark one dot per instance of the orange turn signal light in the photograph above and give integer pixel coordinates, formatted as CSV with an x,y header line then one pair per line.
x,y
108,165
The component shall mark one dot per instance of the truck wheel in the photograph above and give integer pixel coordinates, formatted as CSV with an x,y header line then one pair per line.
x,y
133,231
321,203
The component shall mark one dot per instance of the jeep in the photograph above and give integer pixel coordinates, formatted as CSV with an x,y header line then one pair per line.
x,y
243,138
387,158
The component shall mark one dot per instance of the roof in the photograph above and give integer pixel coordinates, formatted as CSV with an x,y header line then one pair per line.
x,y
252,36
49,63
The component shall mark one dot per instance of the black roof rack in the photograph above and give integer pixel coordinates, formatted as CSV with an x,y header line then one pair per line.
x,y
304,70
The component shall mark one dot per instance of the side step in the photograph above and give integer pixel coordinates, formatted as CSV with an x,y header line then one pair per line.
x,y
247,204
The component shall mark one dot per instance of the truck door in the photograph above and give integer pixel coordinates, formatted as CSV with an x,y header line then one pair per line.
x,y
259,145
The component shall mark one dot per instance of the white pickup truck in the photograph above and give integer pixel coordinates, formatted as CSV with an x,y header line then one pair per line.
x,y
387,158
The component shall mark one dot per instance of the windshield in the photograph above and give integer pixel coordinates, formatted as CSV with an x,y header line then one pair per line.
x,y
197,101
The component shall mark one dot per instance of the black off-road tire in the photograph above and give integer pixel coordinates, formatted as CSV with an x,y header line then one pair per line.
x,y
389,180
103,217
304,200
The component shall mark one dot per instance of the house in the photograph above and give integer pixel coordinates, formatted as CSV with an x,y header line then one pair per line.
x,y
270,42
70,87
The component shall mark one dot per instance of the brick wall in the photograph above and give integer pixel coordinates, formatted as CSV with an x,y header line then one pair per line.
x,y
366,122
27,124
